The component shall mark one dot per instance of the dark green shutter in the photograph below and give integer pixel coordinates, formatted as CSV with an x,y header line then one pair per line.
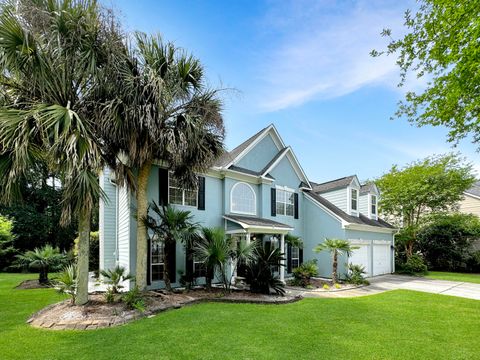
x,y
295,205
162,187
201,193
189,263
300,255
289,258
149,261
273,201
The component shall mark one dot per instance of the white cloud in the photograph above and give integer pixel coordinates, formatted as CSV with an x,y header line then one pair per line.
x,y
320,50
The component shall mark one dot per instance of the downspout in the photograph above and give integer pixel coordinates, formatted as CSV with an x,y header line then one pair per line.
x,y
117,258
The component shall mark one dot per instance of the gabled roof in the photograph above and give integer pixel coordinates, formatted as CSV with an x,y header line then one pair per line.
x,y
361,219
230,156
257,223
333,184
249,172
474,190
368,188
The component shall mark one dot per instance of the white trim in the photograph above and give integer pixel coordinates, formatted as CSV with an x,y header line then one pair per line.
x,y
371,215
363,227
351,211
471,195
259,228
254,199
183,194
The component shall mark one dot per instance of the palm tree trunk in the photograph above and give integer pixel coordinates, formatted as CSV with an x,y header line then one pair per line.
x,y
335,264
166,266
142,209
82,258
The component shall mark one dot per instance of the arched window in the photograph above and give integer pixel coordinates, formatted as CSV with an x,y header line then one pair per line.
x,y
242,199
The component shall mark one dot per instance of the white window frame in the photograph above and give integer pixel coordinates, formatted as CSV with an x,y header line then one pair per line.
x,y
351,199
232,210
152,264
295,258
195,262
183,194
372,204
286,190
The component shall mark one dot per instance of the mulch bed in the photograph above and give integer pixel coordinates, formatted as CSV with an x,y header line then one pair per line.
x,y
317,284
31,284
97,313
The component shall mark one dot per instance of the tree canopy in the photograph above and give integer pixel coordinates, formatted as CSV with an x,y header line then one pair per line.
x,y
441,45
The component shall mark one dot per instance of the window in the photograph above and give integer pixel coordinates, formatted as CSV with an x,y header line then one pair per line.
x,y
374,204
354,199
285,202
295,259
199,268
243,199
157,263
180,196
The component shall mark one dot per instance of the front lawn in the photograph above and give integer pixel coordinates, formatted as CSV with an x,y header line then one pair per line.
x,y
443,275
394,325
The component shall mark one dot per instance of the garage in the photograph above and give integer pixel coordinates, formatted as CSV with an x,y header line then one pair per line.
x,y
361,256
382,258
375,256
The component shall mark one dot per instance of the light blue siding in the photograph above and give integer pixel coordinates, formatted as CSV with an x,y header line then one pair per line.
x,y
107,222
339,198
363,204
259,156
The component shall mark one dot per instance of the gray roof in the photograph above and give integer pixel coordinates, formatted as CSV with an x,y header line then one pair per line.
x,y
333,184
367,188
362,219
256,221
474,190
249,172
228,156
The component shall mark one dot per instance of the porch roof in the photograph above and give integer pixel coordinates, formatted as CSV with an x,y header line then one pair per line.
x,y
256,224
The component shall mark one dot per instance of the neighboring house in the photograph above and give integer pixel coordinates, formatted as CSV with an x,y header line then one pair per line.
x,y
470,204
257,191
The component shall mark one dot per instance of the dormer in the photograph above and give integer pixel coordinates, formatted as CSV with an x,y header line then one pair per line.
x,y
344,193
368,205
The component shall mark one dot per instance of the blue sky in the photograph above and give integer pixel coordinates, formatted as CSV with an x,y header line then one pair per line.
x,y
304,66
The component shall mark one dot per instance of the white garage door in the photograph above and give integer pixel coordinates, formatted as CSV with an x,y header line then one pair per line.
x,y
361,256
382,259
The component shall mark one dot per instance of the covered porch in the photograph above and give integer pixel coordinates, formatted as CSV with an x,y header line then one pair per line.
x,y
267,231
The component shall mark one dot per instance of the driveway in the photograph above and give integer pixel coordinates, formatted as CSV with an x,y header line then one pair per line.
x,y
383,283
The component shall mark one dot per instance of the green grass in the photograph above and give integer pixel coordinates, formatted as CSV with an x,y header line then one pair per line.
x,y
443,275
393,325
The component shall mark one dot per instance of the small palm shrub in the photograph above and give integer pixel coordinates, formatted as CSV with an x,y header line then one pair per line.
x,y
260,275
66,282
305,272
43,260
115,277
134,300
355,275
414,265
336,247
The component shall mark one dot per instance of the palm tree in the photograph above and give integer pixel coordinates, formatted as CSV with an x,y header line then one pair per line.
x,y
165,112
44,260
222,254
172,226
51,53
260,274
335,247
115,277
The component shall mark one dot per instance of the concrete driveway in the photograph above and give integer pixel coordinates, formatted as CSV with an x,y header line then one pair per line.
x,y
383,283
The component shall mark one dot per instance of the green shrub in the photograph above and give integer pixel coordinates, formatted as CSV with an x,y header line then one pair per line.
x,y
66,281
109,295
133,299
473,262
414,265
7,250
355,275
43,260
115,277
260,275
305,272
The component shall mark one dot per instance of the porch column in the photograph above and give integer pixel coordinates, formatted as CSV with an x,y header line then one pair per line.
x,y
247,238
282,250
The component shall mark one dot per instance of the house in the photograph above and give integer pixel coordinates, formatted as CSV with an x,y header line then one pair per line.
x,y
470,204
257,191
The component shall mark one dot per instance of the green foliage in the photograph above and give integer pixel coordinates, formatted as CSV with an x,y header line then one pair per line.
x,y
446,240
133,299
413,265
260,275
43,260
294,241
66,281
355,275
94,256
170,225
336,247
440,44
305,272
7,250
115,277
473,262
